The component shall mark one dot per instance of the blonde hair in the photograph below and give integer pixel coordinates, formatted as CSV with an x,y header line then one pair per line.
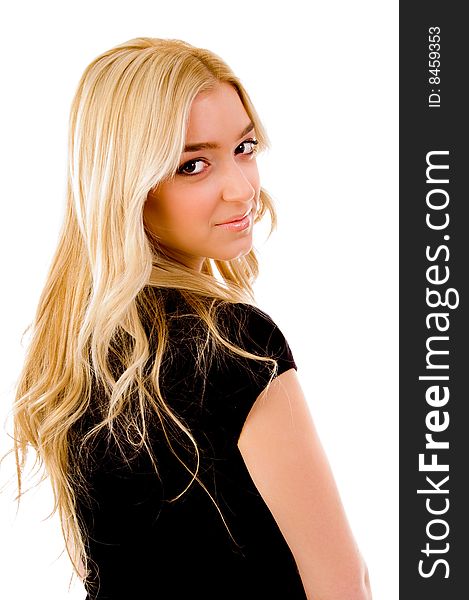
x,y
127,128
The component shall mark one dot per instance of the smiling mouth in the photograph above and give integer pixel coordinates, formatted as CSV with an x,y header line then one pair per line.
x,y
238,223
237,218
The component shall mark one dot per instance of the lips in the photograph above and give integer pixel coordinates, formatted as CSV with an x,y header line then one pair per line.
x,y
236,218
238,223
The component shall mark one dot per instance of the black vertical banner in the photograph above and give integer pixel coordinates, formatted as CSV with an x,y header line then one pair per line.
x,y
434,271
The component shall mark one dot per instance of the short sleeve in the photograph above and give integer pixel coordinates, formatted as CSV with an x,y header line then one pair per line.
x,y
241,380
261,335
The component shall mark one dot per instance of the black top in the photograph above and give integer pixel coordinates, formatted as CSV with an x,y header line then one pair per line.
x,y
143,546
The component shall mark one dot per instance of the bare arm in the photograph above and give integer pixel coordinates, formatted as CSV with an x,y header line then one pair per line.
x,y
285,459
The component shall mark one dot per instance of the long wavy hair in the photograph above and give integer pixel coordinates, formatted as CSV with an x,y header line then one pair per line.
x,y
127,132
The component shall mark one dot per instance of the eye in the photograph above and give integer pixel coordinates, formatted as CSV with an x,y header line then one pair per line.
x,y
188,167
250,145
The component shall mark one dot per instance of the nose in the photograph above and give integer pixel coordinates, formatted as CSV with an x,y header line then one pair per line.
x,y
237,186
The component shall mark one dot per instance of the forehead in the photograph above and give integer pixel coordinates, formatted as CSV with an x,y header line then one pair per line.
x,y
216,114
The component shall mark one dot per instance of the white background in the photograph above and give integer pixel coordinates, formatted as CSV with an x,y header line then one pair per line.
x,y
323,77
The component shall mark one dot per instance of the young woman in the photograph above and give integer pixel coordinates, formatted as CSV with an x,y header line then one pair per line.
x,y
164,406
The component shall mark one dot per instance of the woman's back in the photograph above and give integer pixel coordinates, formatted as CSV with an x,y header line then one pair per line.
x,y
140,541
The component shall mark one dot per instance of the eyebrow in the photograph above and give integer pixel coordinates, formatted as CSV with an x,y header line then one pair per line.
x,y
212,145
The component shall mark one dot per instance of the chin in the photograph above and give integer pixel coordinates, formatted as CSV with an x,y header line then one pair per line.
x,y
240,252
227,257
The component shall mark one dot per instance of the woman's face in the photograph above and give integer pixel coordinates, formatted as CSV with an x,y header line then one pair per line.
x,y
207,209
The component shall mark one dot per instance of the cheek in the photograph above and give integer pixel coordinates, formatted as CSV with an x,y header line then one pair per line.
x,y
197,203
254,180
255,173
182,207
252,173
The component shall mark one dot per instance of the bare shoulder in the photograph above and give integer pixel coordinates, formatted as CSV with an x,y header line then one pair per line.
x,y
284,456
